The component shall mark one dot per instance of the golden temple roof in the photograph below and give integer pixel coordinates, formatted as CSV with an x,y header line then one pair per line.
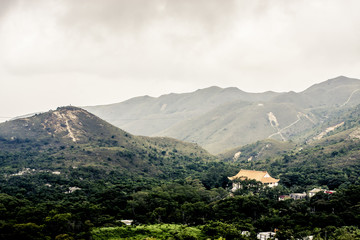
x,y
260,176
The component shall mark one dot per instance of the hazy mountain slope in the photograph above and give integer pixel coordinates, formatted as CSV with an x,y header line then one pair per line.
x,y
331,121
298,99
258,151
337,92
70,137
239,123
220,119
337,121
149,116
342,129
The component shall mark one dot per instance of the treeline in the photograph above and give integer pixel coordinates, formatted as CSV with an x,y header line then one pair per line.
x,y
40,215
212,230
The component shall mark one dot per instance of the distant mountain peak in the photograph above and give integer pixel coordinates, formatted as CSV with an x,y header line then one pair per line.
x,y
209,89
138,99
64,125
342,79
332,83
233,89
66,120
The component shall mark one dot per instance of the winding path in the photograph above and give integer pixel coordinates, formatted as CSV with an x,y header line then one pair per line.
x,y
299,115
348,100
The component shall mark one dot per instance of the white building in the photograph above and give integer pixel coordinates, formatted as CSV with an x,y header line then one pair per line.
x,y
265,235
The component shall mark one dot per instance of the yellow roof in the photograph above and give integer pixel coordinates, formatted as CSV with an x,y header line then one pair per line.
x,y
260,176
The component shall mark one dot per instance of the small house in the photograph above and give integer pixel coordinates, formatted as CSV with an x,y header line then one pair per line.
x,y
284,197
298,196
265,235
127,222
316,190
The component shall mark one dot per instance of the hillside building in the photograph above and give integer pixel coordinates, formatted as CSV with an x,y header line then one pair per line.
x,y
284,197
127,222
259,176
266,235
298,196
314,191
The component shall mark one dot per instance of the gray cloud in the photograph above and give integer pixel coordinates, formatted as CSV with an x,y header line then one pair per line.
x,y
160,46
135,15
5,7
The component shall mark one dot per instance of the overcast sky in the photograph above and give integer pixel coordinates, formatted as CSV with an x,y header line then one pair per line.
x,y
89,52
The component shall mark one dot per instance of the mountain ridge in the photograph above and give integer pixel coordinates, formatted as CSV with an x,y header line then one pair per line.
x,y
201,115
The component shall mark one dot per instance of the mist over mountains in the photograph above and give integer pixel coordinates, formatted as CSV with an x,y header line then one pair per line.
x,y
219,119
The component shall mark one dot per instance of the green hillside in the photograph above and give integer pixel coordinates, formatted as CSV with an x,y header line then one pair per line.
x,y
71,138
258,151
337,92
331,161
329,154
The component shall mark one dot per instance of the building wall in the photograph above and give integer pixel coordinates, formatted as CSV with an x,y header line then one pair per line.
x,y
237,186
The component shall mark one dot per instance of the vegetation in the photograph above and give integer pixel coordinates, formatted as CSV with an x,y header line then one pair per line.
x,y
55,187
196,212
156,231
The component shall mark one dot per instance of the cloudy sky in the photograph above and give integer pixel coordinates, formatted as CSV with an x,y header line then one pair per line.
x,y
89,52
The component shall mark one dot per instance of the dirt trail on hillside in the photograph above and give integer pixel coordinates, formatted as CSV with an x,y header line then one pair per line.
x,y
348,100
299,115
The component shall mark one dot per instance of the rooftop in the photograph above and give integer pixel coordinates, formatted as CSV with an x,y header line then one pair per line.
x,y
260,176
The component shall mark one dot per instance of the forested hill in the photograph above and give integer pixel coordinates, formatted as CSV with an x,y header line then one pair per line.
x,y
71,138
65,171
220,119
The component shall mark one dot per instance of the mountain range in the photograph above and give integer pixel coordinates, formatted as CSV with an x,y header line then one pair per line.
x,y
220,119
75,144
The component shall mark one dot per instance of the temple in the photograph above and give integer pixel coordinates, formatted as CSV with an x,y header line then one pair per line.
x,y
260,176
